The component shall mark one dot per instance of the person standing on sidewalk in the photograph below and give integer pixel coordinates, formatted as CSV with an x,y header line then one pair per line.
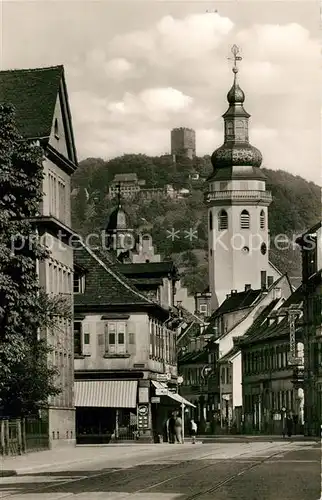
x,y
193,430
171,429
178,428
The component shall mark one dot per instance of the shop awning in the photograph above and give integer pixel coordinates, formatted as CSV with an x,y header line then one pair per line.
x,y
172,395
105,393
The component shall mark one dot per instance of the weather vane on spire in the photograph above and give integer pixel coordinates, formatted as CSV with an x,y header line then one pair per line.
x,y
235,51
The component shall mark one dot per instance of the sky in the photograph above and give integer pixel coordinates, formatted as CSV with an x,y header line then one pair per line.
x,y
136,69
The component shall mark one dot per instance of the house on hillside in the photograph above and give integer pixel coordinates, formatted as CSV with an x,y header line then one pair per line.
x,y
43,115
127,184
232,320
125,353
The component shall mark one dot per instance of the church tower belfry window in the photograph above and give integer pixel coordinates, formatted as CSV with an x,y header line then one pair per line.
x,y
244,220
222,220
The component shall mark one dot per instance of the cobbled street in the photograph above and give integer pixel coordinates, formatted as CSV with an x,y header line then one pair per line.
x,y
243,471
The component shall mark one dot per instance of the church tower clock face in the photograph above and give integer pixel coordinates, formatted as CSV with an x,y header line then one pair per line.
x,y
238,204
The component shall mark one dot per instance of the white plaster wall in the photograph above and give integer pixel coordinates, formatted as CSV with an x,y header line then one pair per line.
x,y
237,380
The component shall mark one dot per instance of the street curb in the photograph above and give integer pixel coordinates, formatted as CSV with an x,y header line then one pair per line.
x,y
8,473
49,467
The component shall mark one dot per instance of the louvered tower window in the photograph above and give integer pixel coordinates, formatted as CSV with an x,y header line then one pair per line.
x,y
262,220
210,221
244,220
222,220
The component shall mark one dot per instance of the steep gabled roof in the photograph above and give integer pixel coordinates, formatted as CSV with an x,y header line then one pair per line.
x,y
149,268
260,331
105,286
33,93
240,300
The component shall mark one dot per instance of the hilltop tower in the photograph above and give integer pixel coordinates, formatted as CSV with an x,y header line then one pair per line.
x,y
238,206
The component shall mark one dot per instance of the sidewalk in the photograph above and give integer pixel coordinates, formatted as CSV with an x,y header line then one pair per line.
x,y
58,459
242,438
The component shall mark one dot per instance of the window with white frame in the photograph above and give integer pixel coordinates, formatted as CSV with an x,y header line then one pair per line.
x,y
115,337
79,283
203,308
57,196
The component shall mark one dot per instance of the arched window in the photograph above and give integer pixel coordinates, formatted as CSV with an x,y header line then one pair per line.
x,y
240,130
222,220
244,220
210,221
230,128
262,219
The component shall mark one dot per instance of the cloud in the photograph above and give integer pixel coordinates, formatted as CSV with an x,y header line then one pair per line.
x,y
133,77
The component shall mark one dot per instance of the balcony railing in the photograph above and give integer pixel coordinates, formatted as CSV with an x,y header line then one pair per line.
x,y
253,195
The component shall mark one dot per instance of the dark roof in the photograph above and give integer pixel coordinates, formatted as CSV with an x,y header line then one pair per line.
x,y
150,268
260,331
195,357
33,93
118,220
147,281
240,300
105,286
187,316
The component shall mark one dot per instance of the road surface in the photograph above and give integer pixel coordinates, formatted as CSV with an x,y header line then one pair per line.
x,y
243,471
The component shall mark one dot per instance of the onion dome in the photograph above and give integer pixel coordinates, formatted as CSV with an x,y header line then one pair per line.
x,y
236,150
236,94
236,155
118,220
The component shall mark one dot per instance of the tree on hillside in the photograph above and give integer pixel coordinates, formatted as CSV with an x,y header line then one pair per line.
x,y
26,379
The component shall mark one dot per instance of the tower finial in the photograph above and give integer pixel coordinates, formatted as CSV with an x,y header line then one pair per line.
x,y
235,51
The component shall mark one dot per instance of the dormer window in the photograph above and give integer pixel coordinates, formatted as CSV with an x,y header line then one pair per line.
x,y
56,129
79,283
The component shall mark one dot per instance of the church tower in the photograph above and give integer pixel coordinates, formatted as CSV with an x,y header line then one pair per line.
x,y
238,204
119,238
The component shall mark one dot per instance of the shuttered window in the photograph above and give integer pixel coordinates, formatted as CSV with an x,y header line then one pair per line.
x,y
244,220
222,220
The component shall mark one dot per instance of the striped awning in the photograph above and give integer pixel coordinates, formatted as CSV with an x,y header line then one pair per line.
x,y
105,393
176,397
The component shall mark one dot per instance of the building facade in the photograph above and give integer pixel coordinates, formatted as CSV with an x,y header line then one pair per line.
x,y
237,203
272,382
128,185
311,246
125,352
183,142
43,115
229,323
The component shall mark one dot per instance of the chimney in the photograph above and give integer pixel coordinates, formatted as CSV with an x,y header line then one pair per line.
x,y
248,287
227,296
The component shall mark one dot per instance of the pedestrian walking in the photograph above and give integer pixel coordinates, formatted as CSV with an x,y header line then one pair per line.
x,y
171,429
289,426
178,428
193,430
